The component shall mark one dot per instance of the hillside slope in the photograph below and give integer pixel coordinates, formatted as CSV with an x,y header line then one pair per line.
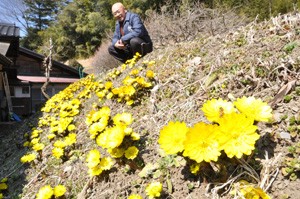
x,y
260,60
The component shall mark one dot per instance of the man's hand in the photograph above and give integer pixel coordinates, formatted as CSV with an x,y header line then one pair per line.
x,y
119,44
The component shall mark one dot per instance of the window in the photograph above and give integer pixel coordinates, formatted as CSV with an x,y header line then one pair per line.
x,y
25,90
22,91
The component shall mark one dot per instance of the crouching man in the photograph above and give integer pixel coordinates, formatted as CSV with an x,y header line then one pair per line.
x,y
130,35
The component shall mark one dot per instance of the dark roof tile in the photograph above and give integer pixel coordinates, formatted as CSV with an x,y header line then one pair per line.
x,y
9,30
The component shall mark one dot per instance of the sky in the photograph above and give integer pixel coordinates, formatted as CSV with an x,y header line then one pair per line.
x,y
11,12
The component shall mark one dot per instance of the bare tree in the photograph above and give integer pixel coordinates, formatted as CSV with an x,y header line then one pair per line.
x,y
48,65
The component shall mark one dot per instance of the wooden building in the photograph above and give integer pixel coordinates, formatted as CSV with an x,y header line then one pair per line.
x,y
23,72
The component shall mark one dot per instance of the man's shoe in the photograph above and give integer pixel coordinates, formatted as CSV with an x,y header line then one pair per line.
x,y
146,48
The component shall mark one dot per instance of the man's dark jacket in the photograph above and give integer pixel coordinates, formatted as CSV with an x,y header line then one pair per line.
x,y
132,27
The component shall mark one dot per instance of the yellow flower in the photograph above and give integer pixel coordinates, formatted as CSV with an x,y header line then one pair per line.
x,y
135,136
129,102
45,192
3,186
28,158
93,158
150,64
254,108
127,90
172,136
201,143
38,146
194,168
59,144
128,81
98,127
131,152
123,119
134,72
109,95
57,152
70,139
111,137
4,180
34,141
237,134
106,163
134,196
59,190
215,109
154,189
71,127
108,85
150,74
116,152
95,171
141,81
35,133
1,196
26,144
250,191
51,136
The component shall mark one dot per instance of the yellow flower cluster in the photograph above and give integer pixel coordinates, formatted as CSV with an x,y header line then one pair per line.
x,y
153,190
244,189
112,133
63,107
35,143
47,192
131,84
3,187
232,131
111,137
28,157
96,164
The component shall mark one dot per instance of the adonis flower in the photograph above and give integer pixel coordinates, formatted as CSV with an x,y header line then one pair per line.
x,y
154,189
70,139
106,163
237,134
93,158
111,137
214,109
150,74
3,186
57,152
249,191
38,146
98,127
172,136
194,168
123,119
131,152
116,152
28,158
201,143
59,190
95,171
135,196
254,108
45,192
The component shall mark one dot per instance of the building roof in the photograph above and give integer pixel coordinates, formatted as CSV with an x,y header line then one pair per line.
x,y
9,30
54,63
4,60
39,79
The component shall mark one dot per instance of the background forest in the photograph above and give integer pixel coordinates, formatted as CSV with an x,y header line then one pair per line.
x,y
78,28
